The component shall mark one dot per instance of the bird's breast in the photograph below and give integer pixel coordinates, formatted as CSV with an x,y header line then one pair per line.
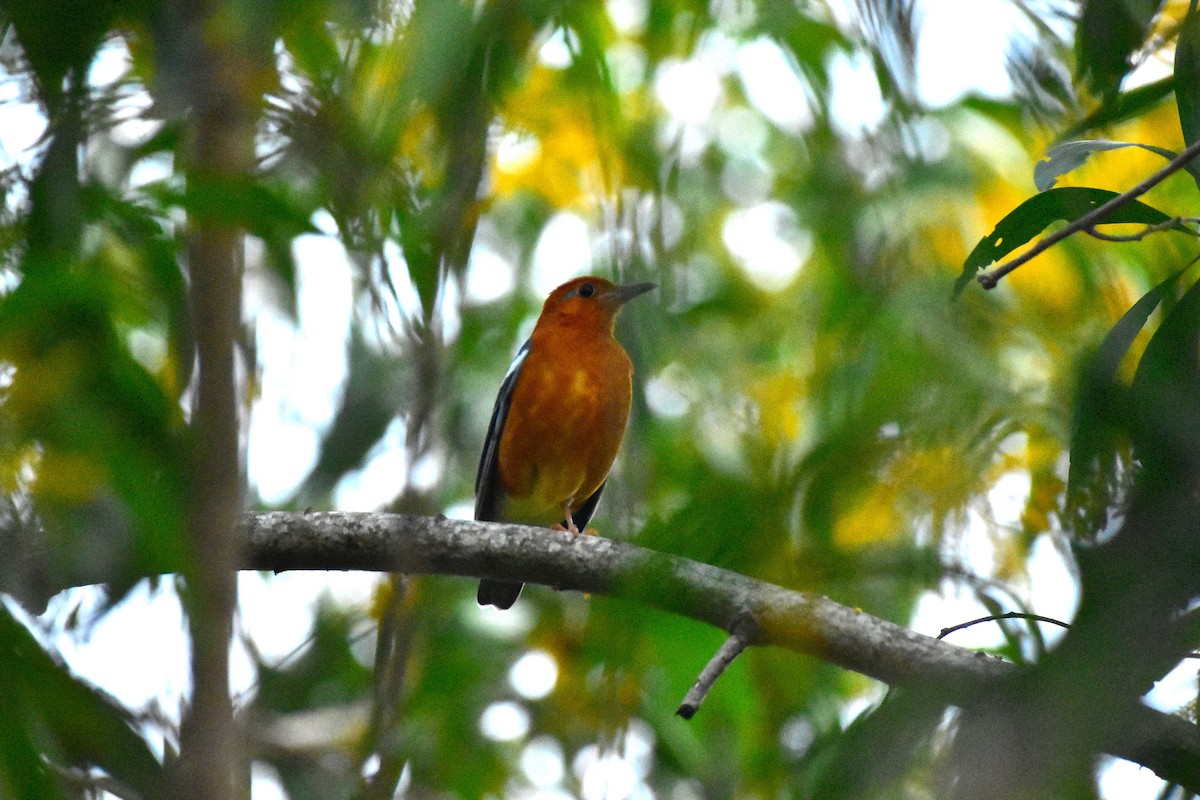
x,y
564,427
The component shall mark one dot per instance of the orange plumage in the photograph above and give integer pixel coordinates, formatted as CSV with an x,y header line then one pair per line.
x,y
559,418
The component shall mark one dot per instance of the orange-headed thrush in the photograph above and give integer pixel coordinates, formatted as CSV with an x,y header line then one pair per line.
x,y
559,418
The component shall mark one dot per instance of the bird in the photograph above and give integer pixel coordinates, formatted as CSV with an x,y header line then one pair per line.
x,y
559,418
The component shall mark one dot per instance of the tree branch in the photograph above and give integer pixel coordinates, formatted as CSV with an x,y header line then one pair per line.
x,y
988,280
804,622
715,668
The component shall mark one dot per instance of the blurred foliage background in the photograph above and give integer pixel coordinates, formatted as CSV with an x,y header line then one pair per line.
x,y
812,405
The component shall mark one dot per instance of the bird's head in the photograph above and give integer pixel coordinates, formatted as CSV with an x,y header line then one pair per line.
x,y
590,301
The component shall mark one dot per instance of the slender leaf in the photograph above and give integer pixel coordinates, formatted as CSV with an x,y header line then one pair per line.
x,y
1187,76
265,211
1108,34
1164,398
1100,419
71,719
58,37
1065,157
873,753
1032,216
1123,106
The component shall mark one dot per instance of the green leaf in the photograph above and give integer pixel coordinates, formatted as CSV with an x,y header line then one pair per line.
x,y
1123,106
58,37
1031,218
55,219
1068,156
111,441
66,719
1164,398
1187,76
1108,34
306,33
1102,368
264,211
1099,419
871,757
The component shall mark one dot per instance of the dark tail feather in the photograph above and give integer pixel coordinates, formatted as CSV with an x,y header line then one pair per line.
x,y
501,594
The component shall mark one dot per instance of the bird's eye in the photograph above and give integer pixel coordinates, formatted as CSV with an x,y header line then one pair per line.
x,y
587,290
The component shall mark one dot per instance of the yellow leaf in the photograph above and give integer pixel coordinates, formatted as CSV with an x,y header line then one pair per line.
x,y
561,155
778,399
69,477
870,521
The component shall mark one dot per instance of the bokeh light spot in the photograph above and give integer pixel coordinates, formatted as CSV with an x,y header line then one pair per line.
x,y
504,722
534,675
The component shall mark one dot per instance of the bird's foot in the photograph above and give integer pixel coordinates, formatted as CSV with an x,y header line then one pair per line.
x,y
567,516
587,532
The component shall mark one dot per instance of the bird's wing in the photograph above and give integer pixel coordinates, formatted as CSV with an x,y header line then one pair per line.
x,y
583,515
488,491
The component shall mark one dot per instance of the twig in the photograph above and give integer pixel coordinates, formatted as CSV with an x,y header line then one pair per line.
x,y
1143,233
716,666
383,736
1021,615
995,617
988,280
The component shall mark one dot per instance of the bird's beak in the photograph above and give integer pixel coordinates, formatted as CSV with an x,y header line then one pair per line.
x,y
620,295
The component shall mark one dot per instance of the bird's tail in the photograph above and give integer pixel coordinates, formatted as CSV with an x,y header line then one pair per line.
x,y
501,594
